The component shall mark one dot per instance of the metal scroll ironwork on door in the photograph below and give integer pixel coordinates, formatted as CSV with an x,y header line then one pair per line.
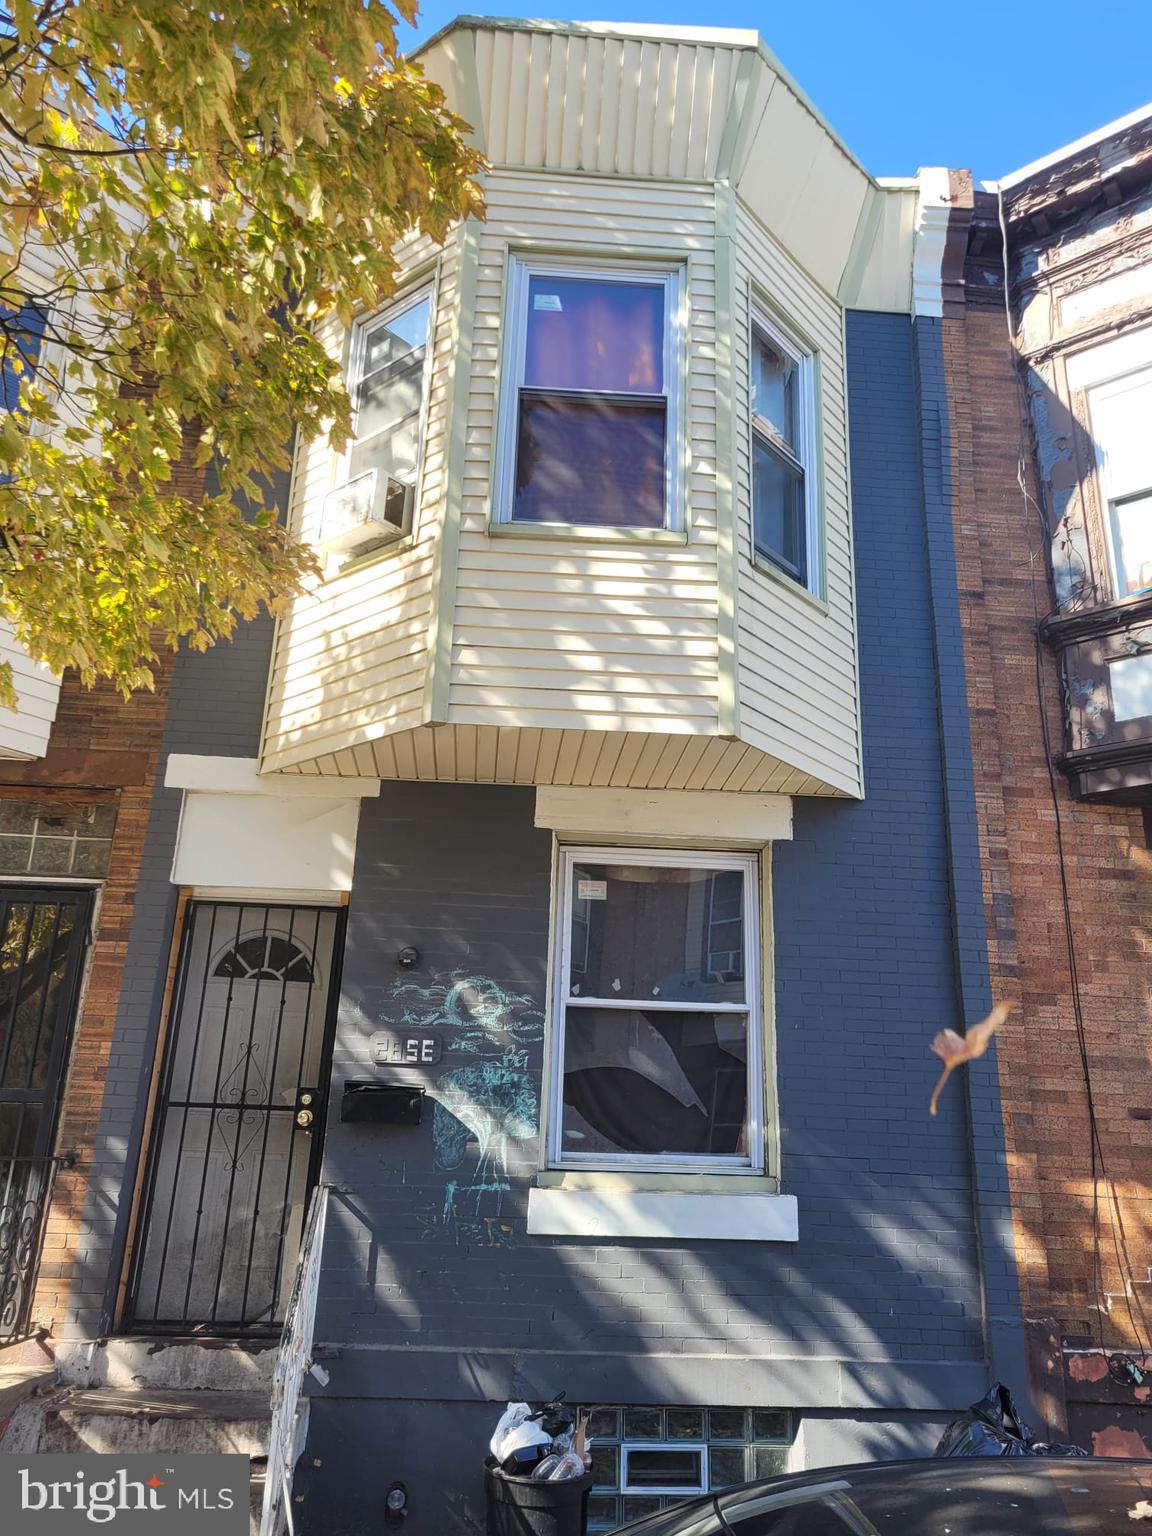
x,y
236,1144
43,933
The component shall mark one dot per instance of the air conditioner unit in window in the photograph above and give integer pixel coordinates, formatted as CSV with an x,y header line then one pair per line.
x,y
365,512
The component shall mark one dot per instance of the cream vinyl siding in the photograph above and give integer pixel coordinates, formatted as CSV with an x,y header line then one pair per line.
x,y
797,670
564,633
24,731
679,104
554,99
349,659
489,754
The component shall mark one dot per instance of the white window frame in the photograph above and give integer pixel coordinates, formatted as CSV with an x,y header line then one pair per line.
x,y
398,305
520,271
633,1490
807,459
755,1163
1109,493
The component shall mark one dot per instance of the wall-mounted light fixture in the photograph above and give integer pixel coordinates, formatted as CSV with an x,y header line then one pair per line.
x,y
395,1504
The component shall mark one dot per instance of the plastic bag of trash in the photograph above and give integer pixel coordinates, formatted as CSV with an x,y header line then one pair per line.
x,y
520,1441
993,1427
513,1415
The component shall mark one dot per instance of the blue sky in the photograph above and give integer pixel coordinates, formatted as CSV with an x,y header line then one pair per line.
x,y
989,87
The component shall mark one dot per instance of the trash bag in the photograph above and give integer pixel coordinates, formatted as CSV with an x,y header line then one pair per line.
x,y
993,1427
526,1436
520,1440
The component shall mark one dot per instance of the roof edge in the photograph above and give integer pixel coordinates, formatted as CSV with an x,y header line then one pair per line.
x,y
720,37
1068,151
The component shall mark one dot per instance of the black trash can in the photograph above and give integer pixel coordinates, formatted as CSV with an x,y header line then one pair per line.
x,y
521,1506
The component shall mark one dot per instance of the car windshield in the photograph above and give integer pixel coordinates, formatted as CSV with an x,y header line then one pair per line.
x,y
995,1497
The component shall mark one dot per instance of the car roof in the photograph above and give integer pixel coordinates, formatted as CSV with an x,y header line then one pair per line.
x,y
1069,1494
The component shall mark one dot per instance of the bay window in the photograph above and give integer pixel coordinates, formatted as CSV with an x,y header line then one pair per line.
x,y
656,1059
783,435
589,422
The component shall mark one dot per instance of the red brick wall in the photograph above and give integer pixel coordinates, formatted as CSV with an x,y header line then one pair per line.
x,y
1001,570
100,742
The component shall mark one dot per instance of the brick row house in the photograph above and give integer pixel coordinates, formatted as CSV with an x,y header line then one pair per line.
x,y
570,885
1050,409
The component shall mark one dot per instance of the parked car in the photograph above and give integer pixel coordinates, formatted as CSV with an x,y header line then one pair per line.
x,y
980,1496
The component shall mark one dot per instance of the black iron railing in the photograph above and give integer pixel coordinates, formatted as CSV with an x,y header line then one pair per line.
x,y
25,1191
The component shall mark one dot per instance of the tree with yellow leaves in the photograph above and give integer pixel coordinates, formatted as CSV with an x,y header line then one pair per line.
x,y
185,188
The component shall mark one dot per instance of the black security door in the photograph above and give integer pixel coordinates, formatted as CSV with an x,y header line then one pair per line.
x,y
43,934
237,1126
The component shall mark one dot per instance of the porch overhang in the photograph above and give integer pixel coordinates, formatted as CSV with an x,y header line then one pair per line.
x,y
498,754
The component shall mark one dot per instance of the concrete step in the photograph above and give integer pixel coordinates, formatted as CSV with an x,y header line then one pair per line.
x,y
130,1421
169,1364
19,1382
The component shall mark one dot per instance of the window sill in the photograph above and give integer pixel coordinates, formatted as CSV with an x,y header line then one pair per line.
x,y
369,557
789,583
587,534
605,1214
744,1182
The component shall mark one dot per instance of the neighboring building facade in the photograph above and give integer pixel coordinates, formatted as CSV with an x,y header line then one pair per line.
x,y
1054,581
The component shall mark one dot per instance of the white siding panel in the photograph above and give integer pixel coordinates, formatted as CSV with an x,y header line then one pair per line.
x,y
797,660
24,731
472,754
530,613
363,633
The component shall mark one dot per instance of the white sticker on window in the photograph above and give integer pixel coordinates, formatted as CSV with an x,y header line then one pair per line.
x,y
592,890
550,301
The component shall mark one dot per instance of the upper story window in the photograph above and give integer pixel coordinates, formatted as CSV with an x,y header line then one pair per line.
x,y
388,385
21,338
1120,412
656,1036
783,426
589,428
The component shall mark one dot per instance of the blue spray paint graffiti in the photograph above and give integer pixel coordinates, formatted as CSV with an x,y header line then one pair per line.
x,y
484,1108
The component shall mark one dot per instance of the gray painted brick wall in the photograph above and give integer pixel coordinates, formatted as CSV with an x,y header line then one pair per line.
x,y
215,708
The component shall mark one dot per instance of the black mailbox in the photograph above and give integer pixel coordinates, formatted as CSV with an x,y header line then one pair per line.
x,y
375,1103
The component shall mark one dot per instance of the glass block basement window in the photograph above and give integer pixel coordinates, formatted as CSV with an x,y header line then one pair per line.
x,y
42,837
646,1459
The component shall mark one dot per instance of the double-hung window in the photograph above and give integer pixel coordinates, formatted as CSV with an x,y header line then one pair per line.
x,y
656,1036
590,422
783,432
1120,412
388,385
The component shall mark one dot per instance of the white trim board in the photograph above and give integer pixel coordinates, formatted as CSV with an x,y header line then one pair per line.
x,y
615,1213
1066,151
712,818
1110,359
266,842
242,776
933,210
257,895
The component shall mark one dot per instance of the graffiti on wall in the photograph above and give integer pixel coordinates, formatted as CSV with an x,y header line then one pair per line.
x,y
484,1108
